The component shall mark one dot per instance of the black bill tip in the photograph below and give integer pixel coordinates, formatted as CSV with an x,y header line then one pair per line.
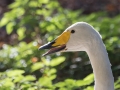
x,y
55,49
47,46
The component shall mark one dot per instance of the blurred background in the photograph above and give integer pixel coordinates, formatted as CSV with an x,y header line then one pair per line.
x,y
26,25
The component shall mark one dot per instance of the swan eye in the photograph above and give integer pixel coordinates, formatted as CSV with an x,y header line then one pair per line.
x,y
72,31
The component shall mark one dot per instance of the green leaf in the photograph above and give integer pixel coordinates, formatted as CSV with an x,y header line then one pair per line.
x,y
86,81
12,73
70,82
29,78
57,61
37,66
33,4
52,77
45,81
21,32
51,28
89,88
18,78
8,82
4,21
9,27
60,84
50,38
52,71
117,84
14,5
81,83
89,77
43,1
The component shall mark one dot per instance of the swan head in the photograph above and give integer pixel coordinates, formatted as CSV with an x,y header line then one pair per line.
x,y
77,37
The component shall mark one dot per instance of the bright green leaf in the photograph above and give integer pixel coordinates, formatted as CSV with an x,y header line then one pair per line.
x,y
18,78
52,77
45,81
60,84
89,77
14,5
43,1
8,82
4,21
33,4
21,32
89,88
37,66
12,73
52,71
70,82
57,61
29,78
9,27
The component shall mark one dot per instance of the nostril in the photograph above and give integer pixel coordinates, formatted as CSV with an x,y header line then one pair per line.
x,y
65,48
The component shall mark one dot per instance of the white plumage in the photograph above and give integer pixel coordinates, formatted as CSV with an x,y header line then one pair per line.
x,y
85,38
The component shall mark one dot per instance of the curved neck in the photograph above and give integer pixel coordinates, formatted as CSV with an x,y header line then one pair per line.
x,y
101,67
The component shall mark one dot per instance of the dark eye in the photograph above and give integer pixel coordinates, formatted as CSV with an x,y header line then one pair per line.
x,y
72,31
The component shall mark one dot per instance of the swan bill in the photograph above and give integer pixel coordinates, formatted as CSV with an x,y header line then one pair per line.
x,y
57,45
55,49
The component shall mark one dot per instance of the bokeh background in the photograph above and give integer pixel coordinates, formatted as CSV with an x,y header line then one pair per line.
x,y
27,24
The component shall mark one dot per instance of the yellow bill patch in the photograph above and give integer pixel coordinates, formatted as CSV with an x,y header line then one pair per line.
x,y
62,39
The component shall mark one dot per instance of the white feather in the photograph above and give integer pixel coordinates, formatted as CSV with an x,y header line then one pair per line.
x,y
87,39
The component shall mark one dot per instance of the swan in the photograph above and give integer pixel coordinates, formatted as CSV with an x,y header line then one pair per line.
x,y
81,36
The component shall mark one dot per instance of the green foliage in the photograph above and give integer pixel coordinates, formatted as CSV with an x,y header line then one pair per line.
x,y
117,84
23,68
21,79
25,79
14,79
57,61
70,84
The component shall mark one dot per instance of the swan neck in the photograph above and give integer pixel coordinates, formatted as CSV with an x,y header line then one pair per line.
x,y
101,67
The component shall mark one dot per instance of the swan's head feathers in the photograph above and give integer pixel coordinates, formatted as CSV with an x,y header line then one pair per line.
x,y
76,37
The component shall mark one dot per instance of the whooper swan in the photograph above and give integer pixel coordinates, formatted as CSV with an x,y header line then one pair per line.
x,y
82,37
